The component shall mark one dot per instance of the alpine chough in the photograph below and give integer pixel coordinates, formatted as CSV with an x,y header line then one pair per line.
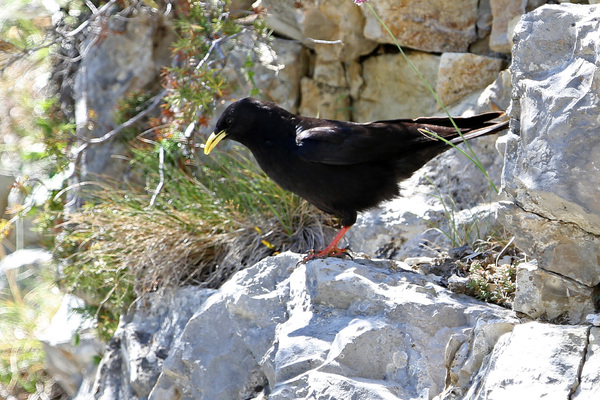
x,y
341,167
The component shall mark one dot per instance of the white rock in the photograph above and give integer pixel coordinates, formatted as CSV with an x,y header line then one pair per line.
x,y
534,361
590,373
551,172
554,171
328,328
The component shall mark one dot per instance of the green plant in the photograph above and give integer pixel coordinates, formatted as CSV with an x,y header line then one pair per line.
x,y
196,81
21,354
491,276
458,231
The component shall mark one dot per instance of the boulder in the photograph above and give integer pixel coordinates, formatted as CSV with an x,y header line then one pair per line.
x,y
543,295
533,361
129,57
550,174
134,358
339,329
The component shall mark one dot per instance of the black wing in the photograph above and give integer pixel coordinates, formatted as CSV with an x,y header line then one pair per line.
x,y
345,143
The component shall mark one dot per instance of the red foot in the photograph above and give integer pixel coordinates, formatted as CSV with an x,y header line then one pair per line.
x,y
332,250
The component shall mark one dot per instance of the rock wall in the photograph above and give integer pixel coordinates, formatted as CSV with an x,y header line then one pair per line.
x,y
551,173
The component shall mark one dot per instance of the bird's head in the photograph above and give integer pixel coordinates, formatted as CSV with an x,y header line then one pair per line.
x,y
237,121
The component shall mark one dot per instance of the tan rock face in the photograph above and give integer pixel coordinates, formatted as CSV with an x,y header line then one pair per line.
x,y
504,12
434,26
392,89
462,73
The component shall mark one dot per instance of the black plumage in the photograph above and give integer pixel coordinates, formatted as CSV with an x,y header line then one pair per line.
x,y
341,167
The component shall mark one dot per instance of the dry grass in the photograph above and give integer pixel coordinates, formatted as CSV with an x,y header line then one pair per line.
x,y
201,229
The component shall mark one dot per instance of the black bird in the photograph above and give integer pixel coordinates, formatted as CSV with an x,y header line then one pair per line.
x,y
341,167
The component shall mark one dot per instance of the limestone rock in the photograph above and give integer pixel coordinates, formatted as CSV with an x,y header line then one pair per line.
x,y
315,23
590,373
339,329
392,89
559,247
434,26
134,358
297,331
113,66
550,171
542,294
534,361
463,73
554,74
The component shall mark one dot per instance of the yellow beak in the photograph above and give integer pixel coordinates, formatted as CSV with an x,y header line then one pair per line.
x,y
213,140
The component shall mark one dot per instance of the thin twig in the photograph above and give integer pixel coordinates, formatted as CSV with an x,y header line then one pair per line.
x,y
155,102
161,174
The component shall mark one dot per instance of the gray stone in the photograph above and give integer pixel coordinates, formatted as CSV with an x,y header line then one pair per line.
x,y
433,26
558,247
327,328
534,361
340,329
545,295
467,351
113,66
552,169
134,358
550,172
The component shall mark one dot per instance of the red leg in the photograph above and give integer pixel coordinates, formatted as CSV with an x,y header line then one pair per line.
x,y
332,250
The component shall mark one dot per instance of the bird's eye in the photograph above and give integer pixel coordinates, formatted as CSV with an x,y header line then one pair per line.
x,y
229,121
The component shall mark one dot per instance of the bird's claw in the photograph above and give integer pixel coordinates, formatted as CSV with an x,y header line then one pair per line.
x,y
334,252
